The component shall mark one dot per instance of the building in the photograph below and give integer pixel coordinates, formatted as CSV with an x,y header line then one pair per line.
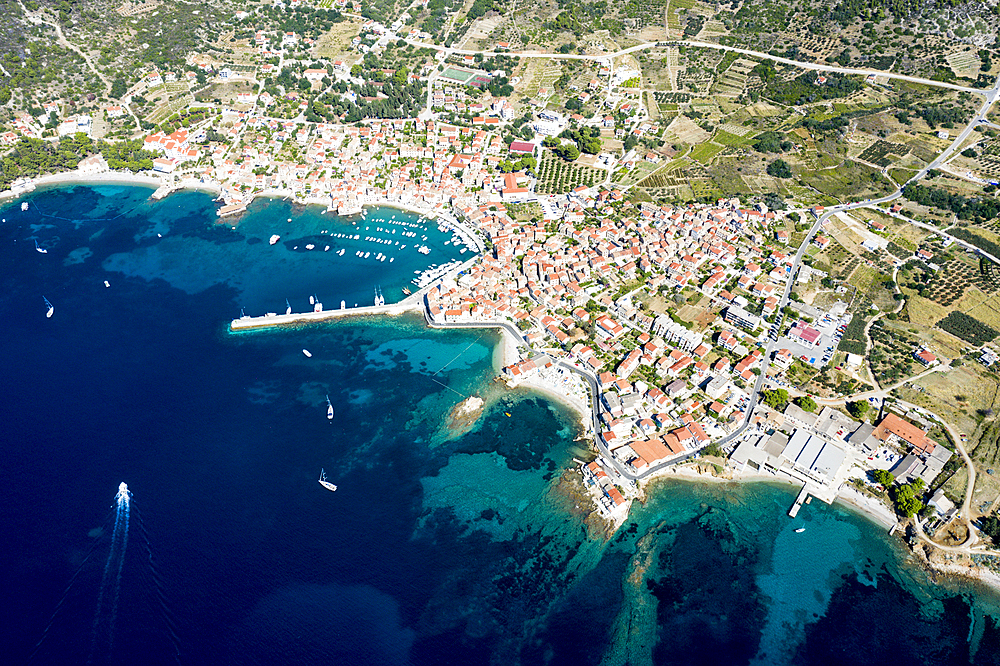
x,y
739,317
893,430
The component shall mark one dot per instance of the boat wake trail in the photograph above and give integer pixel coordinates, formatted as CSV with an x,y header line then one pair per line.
x,y
104,628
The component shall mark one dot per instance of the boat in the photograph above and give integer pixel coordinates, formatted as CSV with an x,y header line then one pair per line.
x,y
274,239
307,353
800,530
107,284
323,482
508,414
312,300
24,205
51,309
329,408
288,307
40,249
407,291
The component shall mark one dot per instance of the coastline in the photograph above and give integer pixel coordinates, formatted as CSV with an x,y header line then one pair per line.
x,y
509,353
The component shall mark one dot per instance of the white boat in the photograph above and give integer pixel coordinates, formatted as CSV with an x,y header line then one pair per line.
x,y
329,408
323,482
341,253
307,353
288,307
24,205
51,309
274,239
40,249
312,300
800,530
310,246
107,284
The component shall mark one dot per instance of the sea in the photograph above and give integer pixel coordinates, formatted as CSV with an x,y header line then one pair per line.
x,y
444,543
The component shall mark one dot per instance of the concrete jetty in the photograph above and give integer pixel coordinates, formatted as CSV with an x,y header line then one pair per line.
x,y
803,494
265,321
412,303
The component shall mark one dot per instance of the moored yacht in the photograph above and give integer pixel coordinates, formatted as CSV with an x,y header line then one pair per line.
x,y
274,239
51,309
329,408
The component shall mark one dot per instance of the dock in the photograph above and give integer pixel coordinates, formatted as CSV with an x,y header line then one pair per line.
x,y
799,501
412,303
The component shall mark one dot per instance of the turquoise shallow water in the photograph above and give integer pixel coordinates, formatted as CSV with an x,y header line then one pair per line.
x,y
438,547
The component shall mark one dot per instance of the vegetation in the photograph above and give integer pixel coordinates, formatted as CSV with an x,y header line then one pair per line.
x,y
967,328
980,210
906,497
883,477
804,89
853,341
779,169
776,399
858,408
806,403
990,526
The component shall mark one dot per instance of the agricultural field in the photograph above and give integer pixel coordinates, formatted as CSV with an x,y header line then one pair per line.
x,y
968,328
556,175
879,153
891,355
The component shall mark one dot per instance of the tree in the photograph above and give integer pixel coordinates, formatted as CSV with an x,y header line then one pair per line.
x,y
858,409
806,403
775,399
118,88
779,169
883,477
906,499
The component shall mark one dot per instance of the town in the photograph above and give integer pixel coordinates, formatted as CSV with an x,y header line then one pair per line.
x,y
715,333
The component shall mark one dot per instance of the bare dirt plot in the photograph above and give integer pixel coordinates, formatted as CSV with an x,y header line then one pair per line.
x,y
337,42
959,392
683,130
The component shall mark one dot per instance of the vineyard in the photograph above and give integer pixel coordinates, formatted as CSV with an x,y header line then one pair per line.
x,y
878,153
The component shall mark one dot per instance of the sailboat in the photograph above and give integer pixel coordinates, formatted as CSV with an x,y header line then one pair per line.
x,y
40,249
329,408
51,309
288,308
379,298
800,530
323,482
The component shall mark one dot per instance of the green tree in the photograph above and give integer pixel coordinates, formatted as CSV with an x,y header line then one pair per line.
x,y
906,498
858,409
118,88
775,399
779,169
883,477
806,403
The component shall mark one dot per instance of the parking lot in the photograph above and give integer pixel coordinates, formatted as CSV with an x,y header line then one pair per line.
x,y
830,331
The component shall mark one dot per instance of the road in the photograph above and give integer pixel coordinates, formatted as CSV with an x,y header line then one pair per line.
x,y
609,57
65,43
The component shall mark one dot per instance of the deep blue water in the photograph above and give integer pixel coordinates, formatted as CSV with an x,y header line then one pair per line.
x,y
437,548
